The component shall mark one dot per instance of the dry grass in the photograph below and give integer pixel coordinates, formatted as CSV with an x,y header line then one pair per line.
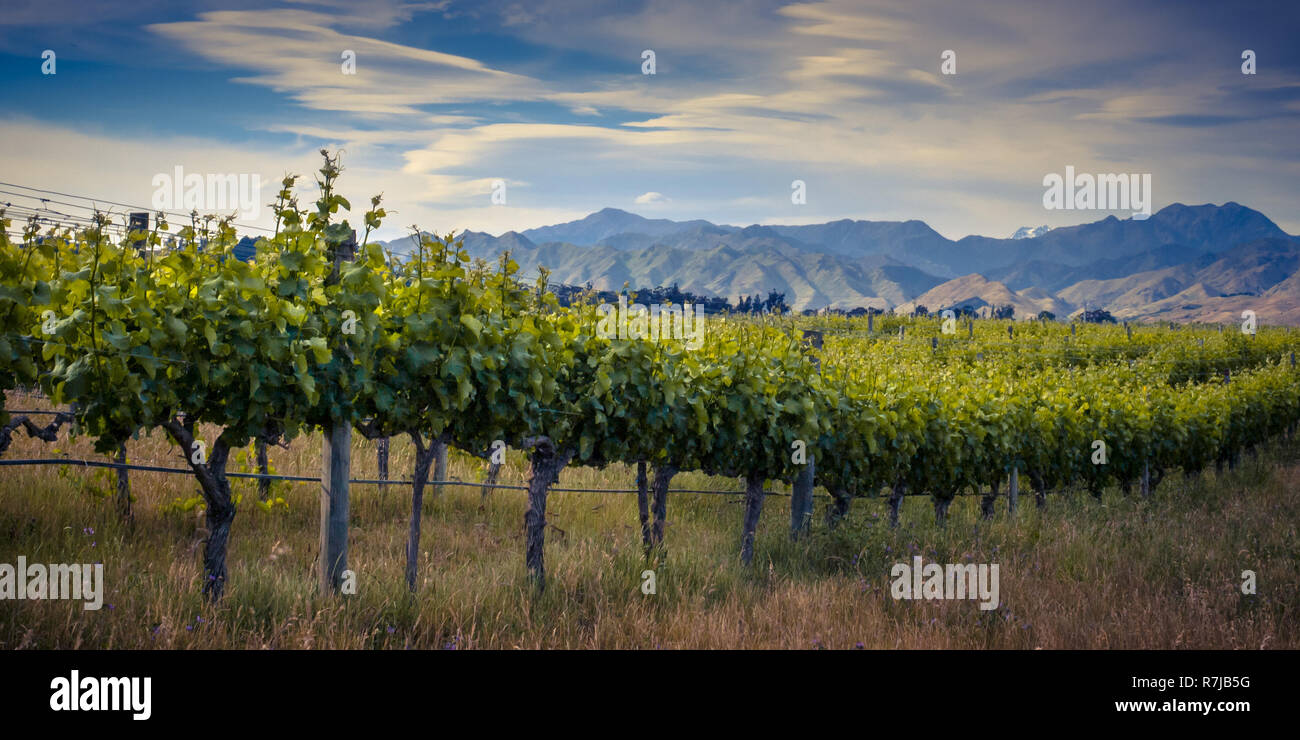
x,y
1120,574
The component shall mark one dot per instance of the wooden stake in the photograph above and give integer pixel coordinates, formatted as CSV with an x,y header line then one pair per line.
x,y
124,488
753,509
336,470
801,501
263,468
381,457
801,498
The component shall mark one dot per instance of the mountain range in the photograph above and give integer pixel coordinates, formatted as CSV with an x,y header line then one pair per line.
x,y
1183,263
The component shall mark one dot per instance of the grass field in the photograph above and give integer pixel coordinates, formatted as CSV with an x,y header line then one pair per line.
x,y
1122,573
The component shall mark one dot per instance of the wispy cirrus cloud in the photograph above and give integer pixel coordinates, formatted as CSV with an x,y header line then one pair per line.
x,y
299,53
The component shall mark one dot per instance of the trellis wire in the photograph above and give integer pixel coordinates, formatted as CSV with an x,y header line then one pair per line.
x,y
359,481
377,482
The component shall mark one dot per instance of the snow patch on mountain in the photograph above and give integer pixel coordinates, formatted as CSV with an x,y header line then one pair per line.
x,y
1026,232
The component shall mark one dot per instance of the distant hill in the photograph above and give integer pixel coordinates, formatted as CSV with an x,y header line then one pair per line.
x,y
597,227
1252,269
976,292
744,264
1199,256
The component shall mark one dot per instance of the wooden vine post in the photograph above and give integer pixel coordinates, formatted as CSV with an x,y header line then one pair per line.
x,y
336,470
489,485
753,509
263,468
137,224
124,488
439,465
801,498
663,475
381,457
643,503
896,494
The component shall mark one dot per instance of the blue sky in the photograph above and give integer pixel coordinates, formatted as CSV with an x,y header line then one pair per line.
x,y
550,98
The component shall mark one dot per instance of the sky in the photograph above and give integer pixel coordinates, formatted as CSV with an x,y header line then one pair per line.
x,y
450,100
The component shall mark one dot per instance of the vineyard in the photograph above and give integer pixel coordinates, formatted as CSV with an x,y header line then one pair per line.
x,y
324,333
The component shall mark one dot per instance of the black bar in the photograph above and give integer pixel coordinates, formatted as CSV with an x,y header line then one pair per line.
x,y
986,693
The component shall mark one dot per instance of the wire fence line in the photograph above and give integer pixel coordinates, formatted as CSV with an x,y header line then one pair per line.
x,y
356,481
94,204
370,481
308,479
385,482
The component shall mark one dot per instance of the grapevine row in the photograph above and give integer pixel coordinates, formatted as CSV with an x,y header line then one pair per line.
x,y
319,328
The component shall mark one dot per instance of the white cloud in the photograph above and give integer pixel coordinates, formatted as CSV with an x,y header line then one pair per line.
x,y
121,169
298,53
821,91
